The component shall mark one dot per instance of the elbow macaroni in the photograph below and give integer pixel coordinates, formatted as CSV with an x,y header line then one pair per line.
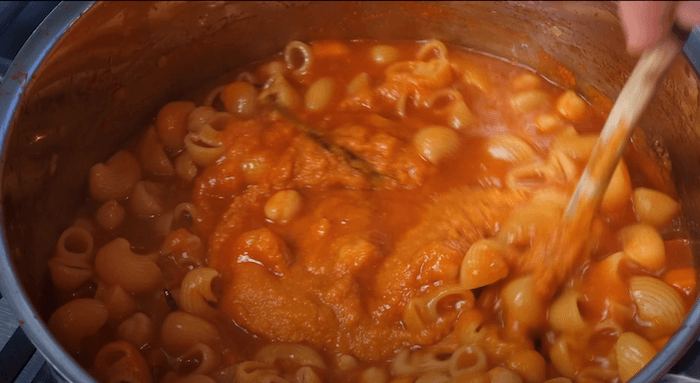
x,y
228,246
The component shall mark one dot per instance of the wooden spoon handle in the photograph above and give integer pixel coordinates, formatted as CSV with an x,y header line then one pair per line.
x,y
629,106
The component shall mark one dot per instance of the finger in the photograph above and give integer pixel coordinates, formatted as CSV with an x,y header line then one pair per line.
x,y
688,14
645,23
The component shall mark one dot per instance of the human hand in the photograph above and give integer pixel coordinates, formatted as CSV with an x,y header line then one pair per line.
x,y
647,22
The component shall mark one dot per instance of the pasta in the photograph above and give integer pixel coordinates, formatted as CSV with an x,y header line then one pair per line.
x,y
70,266
76,320
146,199
115,178
181,330
384,54
659,304
643,245
654,207
152,154
196,292
436,142
227,245
121,362
633,352
283,205
110,215
319,94
119,303
117,264
136,329
171,123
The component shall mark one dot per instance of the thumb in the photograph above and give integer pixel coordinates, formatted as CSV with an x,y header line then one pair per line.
x,y
645,23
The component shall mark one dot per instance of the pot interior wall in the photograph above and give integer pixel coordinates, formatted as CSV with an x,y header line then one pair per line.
x,y
121,61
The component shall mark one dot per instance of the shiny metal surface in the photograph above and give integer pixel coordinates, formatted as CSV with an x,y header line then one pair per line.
x,y
85,84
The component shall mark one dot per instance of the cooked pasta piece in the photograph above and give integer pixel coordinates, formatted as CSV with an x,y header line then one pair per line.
x,y
643,245
137,329
573,144
306,375
450,104
658,305
571,106
110,215
434,301
435,47
199,359
433,74
564,314
526,81
482,265
522,303
117,264
70,266
146,199
240,98
199,117
654,207
358,85
278,90
204,147
346,362
152,155
319,94
472,75
619,191
373,375
467,359
76,320
384,54
633,353
468,327
121,362
548,123
272,69
181,330
171,124
185,168
119,303
566,361
196,295
283,206
299,57
69,274
529,364
528,100
435,143
256,372
510,148
502,374
115,178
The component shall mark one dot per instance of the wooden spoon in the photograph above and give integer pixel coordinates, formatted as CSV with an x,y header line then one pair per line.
x,y
572,237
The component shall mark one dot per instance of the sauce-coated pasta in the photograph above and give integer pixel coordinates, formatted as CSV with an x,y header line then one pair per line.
x,y
230,246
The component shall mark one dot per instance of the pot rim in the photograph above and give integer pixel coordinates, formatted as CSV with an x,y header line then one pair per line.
x,y
20,73
30,57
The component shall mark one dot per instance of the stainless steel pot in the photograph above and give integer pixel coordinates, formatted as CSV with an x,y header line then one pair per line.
x,y
94,73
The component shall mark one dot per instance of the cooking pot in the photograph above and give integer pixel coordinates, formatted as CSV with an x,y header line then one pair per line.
x,y
93,74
